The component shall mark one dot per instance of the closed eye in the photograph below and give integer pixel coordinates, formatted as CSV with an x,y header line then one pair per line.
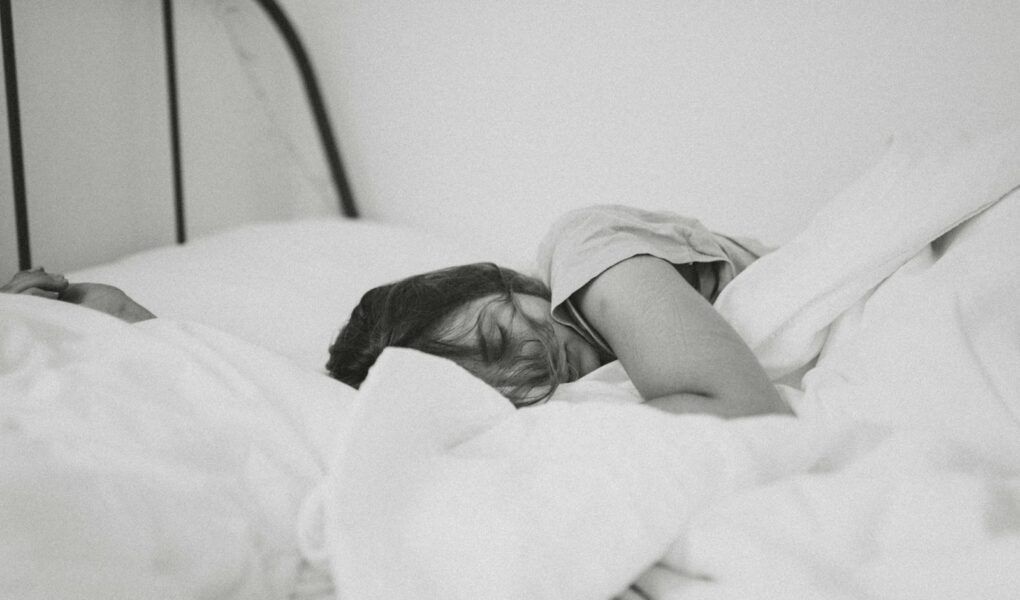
x,y
493,341
502,337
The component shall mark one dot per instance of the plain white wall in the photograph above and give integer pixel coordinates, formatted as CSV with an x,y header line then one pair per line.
x,y
486,119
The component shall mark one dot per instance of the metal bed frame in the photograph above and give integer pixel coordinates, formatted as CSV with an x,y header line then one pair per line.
x,y
303,63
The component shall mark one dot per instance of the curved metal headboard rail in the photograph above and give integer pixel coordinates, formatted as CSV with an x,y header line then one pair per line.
x,y
176,165
14,133
308,78
316,103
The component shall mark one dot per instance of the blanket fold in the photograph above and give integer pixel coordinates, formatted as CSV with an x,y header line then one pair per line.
x,y
924,185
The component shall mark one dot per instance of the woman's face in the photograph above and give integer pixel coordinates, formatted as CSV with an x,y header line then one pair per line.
x,y
577,357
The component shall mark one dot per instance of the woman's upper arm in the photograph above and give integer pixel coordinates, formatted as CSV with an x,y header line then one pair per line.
x,y
671,341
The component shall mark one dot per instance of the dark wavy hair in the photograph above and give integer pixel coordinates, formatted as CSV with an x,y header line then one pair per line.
x,y
416,312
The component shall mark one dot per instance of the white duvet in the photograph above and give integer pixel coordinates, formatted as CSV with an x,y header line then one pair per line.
x,y
172,460
159,460
900,477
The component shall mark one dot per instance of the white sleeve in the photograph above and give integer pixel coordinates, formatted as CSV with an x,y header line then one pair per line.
x,y
583,243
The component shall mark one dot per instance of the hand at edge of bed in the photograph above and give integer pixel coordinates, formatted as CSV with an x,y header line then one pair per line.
x,y
97,296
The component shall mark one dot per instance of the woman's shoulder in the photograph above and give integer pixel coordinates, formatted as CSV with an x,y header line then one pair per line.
x,y
584,242
601,215
590,229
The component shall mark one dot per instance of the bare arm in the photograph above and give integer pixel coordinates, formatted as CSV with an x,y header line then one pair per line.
x,y
107,299
680,353
97,296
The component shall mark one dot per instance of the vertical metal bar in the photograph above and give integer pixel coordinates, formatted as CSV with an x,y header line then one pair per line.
x,y
318,106
14,129
175,139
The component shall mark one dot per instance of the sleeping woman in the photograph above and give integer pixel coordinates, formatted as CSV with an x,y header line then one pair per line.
x,y
615,283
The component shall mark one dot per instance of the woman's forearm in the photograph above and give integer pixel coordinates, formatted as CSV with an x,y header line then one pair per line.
x,y
684,404
97,296
679,352
107,299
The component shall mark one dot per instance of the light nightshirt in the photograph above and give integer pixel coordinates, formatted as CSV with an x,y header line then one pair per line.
x,y
583,243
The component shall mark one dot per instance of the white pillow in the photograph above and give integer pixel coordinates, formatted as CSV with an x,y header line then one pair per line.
x,y
285,286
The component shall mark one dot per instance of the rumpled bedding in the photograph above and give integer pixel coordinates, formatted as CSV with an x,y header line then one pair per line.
x,y
158,460
892,323
169,459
